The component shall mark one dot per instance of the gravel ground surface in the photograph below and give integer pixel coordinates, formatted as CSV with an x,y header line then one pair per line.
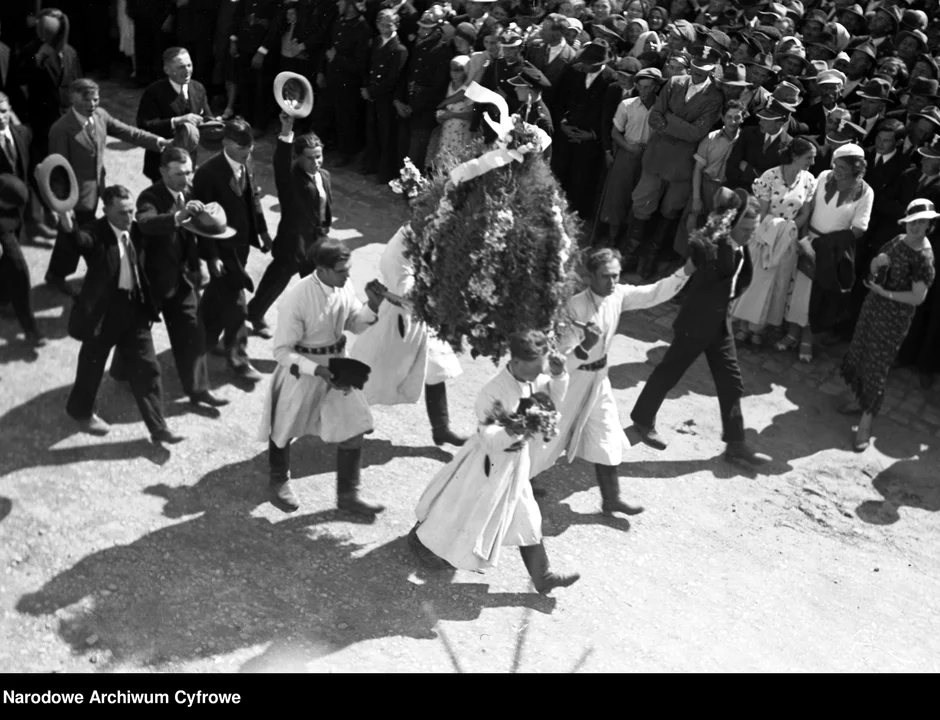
x,y
118,556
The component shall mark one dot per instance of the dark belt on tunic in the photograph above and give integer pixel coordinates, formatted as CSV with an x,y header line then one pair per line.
x,y
594,366
329,350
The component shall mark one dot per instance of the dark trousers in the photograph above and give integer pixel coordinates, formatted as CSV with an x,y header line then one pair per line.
x,y
66,253
15,286
723,363
224,311
382,139
414,134
578,168
275,280
187,339
148,49
126,327
253,92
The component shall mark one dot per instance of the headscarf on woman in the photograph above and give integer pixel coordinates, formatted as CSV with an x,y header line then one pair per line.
x,y
639,47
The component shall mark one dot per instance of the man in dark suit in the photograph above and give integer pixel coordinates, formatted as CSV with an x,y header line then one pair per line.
x,y
829,88
387,61
226,179
250,24
758,149
550,53
303,190
886,165
15,159
80,136
171,102
15,286
190,22
722,272
171,265
115,309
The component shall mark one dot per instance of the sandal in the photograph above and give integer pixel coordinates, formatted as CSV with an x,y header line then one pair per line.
x,y
806,351
786,344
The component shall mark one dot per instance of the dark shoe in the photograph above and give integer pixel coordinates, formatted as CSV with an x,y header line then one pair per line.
x,y
348,462
536,562
244,369
93,425
35,339
62,285
851,408
425,557
282,495
207,398
609,483
165,437
740,451
435,400
650,437
261,329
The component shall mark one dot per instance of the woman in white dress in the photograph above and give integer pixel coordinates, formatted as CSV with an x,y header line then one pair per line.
x,y
785,194
482,500
404,356
843,202
455,111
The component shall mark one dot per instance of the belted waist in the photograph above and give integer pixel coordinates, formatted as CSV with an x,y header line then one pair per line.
x,y
594,366
328,350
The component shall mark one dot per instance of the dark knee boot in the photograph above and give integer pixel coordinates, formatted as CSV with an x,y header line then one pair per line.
x,y
609,483
347,483
279,476
633,243
536,562
435,399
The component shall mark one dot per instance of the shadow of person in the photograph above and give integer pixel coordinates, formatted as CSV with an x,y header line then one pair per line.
x,y
220,580
31,431
6,505
560,482
904,484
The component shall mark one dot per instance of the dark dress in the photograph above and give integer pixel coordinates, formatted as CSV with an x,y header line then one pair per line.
x,y
883,325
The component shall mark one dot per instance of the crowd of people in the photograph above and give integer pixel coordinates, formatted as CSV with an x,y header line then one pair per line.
x,y
800,140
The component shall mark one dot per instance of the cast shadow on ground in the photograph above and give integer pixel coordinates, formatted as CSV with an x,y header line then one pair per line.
x,y
560,482
6,505
221,580
904,484
16,349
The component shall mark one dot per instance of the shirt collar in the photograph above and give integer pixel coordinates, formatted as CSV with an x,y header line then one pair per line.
x,y
775,135
700,85
178,88
117,233
236,167
888,156
327,289
385,40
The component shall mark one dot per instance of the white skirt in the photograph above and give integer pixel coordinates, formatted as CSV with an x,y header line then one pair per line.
x,y
481,501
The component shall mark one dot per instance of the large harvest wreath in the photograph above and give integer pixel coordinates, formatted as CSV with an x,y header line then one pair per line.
x,y
493,250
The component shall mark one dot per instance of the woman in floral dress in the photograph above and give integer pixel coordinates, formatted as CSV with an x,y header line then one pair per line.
x,y
908,267
455,111
785,194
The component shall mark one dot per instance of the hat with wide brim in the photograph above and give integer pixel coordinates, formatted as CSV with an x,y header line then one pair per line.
x,y
734,76
57,200
296,108
210,223
920,209
349,373
918,35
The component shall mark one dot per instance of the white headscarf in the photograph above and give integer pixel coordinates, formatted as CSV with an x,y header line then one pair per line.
x,y
639,47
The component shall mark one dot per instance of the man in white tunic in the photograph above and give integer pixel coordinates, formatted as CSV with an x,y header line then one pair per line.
x,y
590,424
404,355
302,397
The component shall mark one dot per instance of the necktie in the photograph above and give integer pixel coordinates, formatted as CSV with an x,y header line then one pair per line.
x,y
767,141
240,180
90,128
131,255
184,91
10,149
879,160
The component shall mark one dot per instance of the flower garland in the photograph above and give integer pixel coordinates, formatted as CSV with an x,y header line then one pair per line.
x,y
717,225
536,415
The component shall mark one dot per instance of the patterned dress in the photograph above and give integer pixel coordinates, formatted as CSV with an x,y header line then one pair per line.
x,y
883,324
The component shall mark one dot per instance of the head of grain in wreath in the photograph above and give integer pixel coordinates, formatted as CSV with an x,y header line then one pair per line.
x,y
492,251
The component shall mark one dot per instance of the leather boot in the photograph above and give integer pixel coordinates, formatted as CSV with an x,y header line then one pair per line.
x,y
435,399
347,484
646,268
632,244
609,483
536,562
279,477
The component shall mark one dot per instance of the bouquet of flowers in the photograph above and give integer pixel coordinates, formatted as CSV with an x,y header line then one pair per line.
x,y
536,415
492,243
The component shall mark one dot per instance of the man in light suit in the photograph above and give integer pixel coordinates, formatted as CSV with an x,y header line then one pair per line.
x,y
306,198
80,136
758,149
171,102
687,108
115,310
550,53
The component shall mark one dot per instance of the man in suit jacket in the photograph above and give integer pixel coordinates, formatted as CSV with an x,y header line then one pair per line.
x,y
722,272
15,286
80,137
685,112
886,165
115,309
829,88
171,265
758,149
227,180
306,198
578,154
387,61
171,102
550,53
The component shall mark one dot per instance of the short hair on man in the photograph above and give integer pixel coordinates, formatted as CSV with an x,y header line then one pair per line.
x,y
83,87
596,258
4,97
736,105
893,125
172,53
528,345
307,141
331,253
239,132
174,155
115,192
388,14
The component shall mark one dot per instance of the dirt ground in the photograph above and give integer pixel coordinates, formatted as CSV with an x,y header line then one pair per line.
x,y
116,556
